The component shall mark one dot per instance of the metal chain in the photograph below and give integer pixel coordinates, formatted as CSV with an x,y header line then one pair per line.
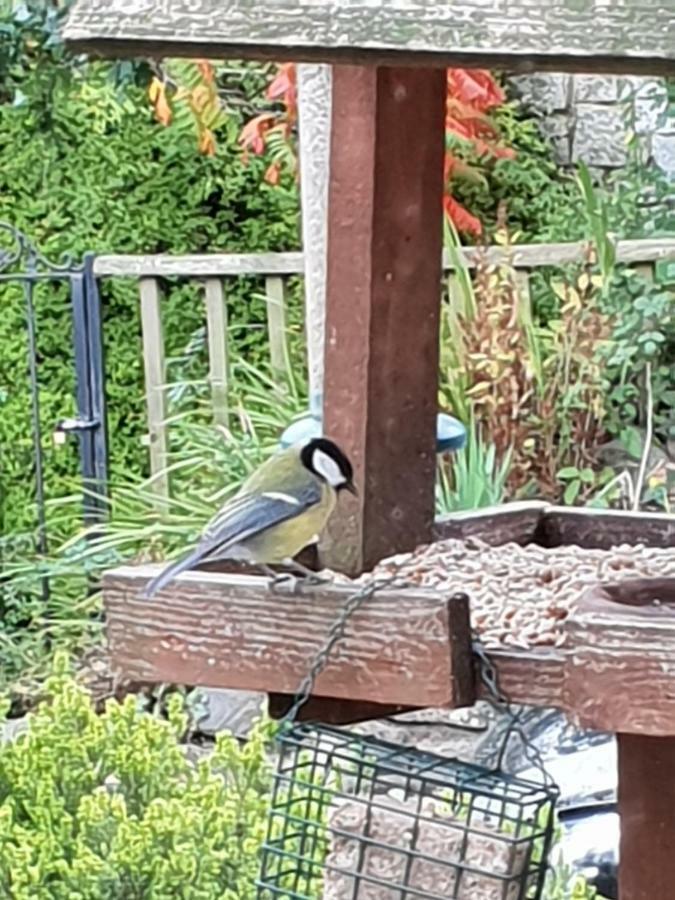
x,y
487,671
335,634
490,678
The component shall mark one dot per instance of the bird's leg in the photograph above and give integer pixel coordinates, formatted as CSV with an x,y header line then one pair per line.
x,y
279,579
309,578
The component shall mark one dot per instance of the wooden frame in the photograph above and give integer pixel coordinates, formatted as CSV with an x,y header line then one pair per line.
x,y
623,36
223,630
631,36
149,640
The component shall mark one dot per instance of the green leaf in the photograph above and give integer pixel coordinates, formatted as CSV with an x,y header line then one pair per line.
x,y
568,472
572,492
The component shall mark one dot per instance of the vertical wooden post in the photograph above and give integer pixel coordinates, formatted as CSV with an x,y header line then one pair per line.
x,y
275,294
383,305
216,332
314,109
647,813
155,384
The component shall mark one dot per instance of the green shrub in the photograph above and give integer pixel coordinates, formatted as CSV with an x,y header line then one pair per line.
x,y
86,168
104,807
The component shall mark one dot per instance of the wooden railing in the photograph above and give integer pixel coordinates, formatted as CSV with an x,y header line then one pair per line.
x,y
213,270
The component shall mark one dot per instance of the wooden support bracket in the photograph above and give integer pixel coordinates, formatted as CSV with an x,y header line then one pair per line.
x,y
401,648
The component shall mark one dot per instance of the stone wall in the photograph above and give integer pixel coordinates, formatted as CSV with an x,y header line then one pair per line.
x,y
591,117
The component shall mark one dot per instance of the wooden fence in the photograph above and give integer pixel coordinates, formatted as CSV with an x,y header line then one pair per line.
x,y
213,271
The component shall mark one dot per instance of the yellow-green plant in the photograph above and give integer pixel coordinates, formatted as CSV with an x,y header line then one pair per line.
x,y
110,808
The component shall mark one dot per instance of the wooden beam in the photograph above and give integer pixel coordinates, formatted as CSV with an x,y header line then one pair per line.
x,y
383,306
629,36
219,265
315,93
620,669
603,529
407,648
647,813
198,265
275,296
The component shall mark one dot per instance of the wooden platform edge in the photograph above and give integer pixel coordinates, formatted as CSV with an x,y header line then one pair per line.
x,y
402,647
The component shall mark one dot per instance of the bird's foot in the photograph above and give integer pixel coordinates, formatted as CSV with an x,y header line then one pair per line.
x,y
308,577
285,583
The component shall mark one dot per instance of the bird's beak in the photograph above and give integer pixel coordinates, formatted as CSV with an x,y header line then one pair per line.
x,y
351,488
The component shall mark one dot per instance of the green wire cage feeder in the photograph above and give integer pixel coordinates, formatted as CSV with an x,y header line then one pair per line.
x,y
357,818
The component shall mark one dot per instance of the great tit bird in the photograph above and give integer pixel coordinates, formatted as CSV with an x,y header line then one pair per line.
x,y
280,509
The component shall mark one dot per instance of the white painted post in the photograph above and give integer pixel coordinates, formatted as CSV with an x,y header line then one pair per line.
x,y
314,111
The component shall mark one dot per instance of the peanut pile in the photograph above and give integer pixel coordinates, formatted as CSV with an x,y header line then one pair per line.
x,y
520,596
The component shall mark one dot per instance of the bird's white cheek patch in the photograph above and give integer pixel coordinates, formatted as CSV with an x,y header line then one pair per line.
x,y
326,466
278,495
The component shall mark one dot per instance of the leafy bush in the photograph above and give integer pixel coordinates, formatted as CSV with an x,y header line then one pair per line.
x,y
86,168
109,806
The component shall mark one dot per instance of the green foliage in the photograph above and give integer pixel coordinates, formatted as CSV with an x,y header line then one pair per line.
x,y
108,806
473,477
86,168
541,198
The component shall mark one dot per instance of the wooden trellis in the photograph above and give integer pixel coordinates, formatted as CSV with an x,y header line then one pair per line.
x,y
385,259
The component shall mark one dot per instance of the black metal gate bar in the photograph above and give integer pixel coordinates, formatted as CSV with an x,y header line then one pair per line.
x,y
90,424
22,263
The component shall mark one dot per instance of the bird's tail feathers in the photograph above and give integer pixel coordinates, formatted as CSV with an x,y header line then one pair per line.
x,y
168,574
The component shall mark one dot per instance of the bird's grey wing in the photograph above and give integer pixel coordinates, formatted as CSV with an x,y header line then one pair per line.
x,y
249,514
244,516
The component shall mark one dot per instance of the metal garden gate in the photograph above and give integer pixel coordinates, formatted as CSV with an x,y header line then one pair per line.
x,y
22,263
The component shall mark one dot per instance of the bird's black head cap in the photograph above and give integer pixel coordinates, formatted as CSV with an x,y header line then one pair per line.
x,y
324,458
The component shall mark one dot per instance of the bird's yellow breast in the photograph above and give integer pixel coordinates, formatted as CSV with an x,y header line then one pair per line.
x,y
287,539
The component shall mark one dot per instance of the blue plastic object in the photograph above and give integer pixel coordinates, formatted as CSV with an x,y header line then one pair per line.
x,y
450,433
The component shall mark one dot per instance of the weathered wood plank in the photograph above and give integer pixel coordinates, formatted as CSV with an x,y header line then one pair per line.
x,y
605,528
630,36
620,666
520,256
383,306
275,294
215,265
530,677
518,522
646,797
216,331
532,256
409,648
553,526
155,384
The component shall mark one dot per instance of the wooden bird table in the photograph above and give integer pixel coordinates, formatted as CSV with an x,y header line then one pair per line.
x,y
383,288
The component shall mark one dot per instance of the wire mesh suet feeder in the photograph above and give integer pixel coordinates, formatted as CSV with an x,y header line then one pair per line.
x,y
355,818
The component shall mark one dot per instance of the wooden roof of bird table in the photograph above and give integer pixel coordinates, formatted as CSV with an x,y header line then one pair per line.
x,y
384,262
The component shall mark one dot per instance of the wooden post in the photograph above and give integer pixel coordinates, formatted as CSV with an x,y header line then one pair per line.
x,y
155,385
383,305
216,331
647,812
275,298
314,105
